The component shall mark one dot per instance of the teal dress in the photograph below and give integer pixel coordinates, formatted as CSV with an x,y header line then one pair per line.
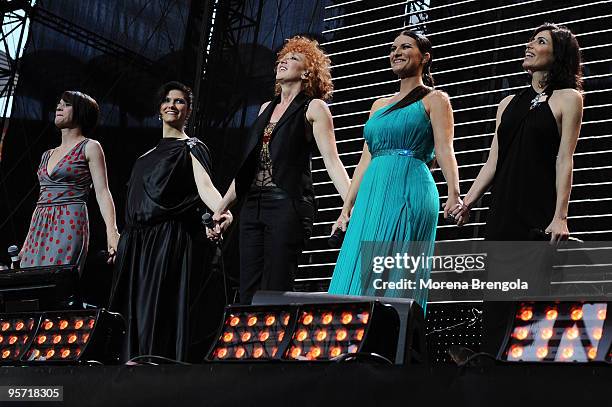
x,y
395,212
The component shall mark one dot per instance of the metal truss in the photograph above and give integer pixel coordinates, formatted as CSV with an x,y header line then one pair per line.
x,y
231,24
418,16
13,17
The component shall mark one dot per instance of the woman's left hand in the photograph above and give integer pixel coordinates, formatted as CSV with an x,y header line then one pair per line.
x,y
112,240
224,220
558,230
452,207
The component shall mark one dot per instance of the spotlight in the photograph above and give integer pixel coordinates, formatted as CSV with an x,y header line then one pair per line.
x,y
60,336
16,334
559,332
64,336
251,333
322,315
308,332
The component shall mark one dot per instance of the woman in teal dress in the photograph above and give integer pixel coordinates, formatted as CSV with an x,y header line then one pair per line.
x,y
393,200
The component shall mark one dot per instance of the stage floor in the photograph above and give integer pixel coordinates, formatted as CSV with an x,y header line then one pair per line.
x,y
297,384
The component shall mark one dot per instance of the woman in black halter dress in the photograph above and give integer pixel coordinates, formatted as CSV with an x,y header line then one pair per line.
x,y
530,163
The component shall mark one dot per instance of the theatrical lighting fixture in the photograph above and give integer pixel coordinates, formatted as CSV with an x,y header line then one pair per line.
x,y
306,332
16,333
323,322
251,333
558,332
326,331
61,337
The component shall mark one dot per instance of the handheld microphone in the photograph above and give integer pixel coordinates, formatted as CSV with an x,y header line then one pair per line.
x,y
336,239
13,252
208,222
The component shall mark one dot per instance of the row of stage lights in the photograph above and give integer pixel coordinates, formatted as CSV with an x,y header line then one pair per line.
x,y
306,332
60,336
558,332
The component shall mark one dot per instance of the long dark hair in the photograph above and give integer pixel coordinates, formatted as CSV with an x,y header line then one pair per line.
x,y
566,69
418,93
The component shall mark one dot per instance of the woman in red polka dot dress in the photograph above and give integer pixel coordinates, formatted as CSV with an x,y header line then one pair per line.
x,y
59,230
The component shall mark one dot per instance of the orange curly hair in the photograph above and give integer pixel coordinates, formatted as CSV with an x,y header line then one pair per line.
x,y
319,83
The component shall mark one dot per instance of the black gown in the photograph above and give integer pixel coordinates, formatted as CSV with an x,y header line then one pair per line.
x,y
523,191
523,199
160,262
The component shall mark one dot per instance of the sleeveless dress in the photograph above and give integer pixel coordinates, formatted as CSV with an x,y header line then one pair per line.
x,y
523,191
396,208
160,284
59,230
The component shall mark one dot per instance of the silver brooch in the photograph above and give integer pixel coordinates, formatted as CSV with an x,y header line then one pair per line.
x,y
536,101
191,142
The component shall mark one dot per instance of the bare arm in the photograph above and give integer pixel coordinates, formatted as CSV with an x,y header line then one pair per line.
x,y
323,129
230,196
97,167
487,172
207,191
441,115
360,170
571,120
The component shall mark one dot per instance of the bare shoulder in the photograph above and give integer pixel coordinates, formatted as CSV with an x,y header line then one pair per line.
x,y
503,104
263,107
437,98
317,108
93,148
379,104
568,96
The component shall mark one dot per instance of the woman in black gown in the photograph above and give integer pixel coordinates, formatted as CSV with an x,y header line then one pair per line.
x,y
159,257
531,159
530,167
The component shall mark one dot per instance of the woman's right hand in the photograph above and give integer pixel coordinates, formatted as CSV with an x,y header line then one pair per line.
x,y
341,223
462,213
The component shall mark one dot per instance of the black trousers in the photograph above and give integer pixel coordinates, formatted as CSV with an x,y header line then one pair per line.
x,y
274,229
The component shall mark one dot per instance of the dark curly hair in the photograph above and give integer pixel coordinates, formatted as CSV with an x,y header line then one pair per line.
x,y
566,69
174,85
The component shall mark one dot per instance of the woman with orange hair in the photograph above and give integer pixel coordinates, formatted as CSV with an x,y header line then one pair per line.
x,y
275,178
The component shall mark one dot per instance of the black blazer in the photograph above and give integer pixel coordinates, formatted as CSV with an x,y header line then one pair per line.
x,y
291,147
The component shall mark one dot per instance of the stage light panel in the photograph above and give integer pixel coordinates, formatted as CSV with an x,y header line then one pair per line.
x,y
250,333
305,332
16,334
556,332
65,337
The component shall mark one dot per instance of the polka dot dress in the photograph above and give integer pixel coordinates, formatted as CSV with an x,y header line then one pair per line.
x,y
59,231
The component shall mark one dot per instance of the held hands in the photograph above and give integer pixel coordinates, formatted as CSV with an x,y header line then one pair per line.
x,y
453,210
558,230
222,220
341,223
112,240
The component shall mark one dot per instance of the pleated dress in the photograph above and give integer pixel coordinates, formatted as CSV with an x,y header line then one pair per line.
x,y
396,208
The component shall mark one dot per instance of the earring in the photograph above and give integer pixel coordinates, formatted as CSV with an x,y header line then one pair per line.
x,y
159,117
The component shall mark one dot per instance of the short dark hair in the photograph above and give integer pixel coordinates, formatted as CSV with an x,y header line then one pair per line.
x,y
174,85
85,110
566,69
